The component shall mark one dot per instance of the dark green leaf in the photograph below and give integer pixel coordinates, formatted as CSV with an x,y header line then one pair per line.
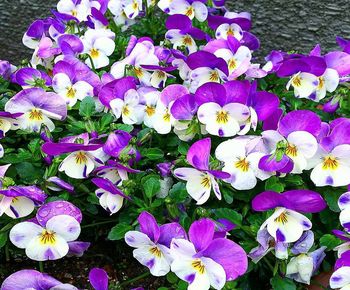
x,y
153,153
229,214
279,283
118,232
87,107
151,186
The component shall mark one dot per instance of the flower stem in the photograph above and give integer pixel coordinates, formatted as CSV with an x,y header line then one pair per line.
x,y
41,266
144,275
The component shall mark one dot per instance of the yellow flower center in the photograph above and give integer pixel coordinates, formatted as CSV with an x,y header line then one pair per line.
x,y
166,116
125,110
292,150
156,252
330,162
47,237
74,13
296,81
150,111
242,165
214,76
135,5
198,266
94,53
71,92
138,72
232,64
187,40
36,115
230,31
206,182
80,158
160,74
222,117
320,83
189,12
282,218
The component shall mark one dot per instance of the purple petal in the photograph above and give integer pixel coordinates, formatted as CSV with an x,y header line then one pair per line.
x,y
206,59
29,279
116,143
198,154
265,104
172,93
149,226
98,279
61,183
219,174
61,148
215,21
108,186
304,244
178,21
201,233
341,235
292,66
54,208
250,40
339,134
184,108
340,61
211,92
171,231
269,163
300,120
77,248
229,255
343,261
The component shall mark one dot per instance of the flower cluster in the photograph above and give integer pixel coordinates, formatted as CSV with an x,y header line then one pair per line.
x,y
136,108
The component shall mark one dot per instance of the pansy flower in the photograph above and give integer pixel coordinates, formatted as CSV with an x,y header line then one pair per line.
x,y
219,111
241,163
18,201
8,122
110,196
120,18
152,243
28,77
191,8
345,246
80,10
37,108
331,163
287,224
83,157
340,278
204,261
69,83
293,144
200,180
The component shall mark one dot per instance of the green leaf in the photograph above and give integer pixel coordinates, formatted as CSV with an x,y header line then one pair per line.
x,y
229,214
279,283
183,148
329,241
3,239
34,145
28,172
153,153
118,232
274,184
172,278
178,192
106,120
87,107
151,186
331,198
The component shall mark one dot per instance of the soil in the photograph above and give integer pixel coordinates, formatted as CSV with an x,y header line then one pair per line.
x,y
114,257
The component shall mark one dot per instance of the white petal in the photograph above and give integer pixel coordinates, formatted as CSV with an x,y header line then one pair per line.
x,y
20,207
21,234
200,11
231,149
331,78
76,166
114,202
60,82
83,89
340,278
305,142
65,226
137,239
216,273
39,251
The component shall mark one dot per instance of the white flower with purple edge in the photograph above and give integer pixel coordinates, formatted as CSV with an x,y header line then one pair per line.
x,y
152,243
200,180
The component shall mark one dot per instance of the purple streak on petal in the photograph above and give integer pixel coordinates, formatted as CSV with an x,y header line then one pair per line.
x,y
219,174
300,120
343,261
280,236
98,279
61,183
54,208
341,235
198,154
149,226
201,233
171,231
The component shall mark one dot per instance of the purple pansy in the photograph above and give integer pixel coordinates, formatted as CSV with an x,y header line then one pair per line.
x,y
200,180
152,243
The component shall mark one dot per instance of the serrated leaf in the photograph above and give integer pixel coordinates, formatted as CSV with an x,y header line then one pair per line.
x,y
87,107
151,186
230,214
153,153
118,232
329,241
279,283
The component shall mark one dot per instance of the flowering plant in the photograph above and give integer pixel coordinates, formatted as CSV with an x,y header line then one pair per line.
x,y
149,124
